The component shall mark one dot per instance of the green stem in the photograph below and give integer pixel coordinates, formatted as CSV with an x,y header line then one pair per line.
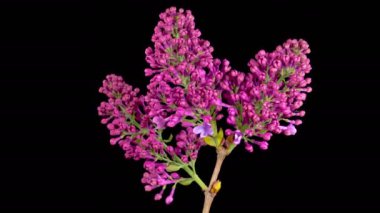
x,y
195,177
130,117
192,173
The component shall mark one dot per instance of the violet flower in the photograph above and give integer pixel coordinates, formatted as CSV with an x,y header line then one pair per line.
x,y
159,121
204,130
237,137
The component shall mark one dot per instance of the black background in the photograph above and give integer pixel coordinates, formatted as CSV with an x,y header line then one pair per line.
x,y
55,153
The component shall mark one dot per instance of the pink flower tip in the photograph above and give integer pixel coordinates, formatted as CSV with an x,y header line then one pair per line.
x,y
148,188
228,132
298,122
207,118
267,136
249,147
158,196
169,199
219,117
113,141
263,145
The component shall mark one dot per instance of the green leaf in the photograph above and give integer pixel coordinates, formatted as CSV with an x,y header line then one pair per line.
x,y
214,128
172,167
186,181
219,137
210,141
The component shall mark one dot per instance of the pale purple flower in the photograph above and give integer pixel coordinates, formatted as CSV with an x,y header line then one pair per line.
x,y
204,130
237,137
289,130
159,121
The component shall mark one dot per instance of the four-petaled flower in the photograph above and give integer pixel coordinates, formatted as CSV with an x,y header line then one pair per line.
x,y
237,137
159,121
204,130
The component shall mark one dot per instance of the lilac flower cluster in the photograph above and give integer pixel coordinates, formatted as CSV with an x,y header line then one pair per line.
x,y
131,127
269,95
191,90
178,63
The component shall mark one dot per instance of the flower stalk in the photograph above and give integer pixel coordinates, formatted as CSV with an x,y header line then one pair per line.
x,y
210,193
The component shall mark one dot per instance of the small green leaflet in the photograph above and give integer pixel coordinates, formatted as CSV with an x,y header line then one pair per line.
x,y
186,181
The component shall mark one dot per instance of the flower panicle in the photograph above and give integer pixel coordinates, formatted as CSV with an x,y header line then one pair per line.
x,y
197,94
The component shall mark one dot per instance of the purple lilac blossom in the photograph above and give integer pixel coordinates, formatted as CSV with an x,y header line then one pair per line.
x,y
203,130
